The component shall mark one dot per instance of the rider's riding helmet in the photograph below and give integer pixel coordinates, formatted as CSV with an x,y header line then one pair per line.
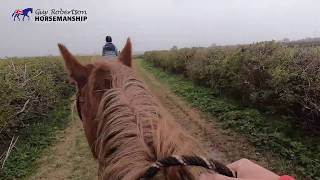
x,y
108,39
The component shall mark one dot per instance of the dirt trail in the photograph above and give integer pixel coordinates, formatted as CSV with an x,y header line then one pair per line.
x,y
224,145
71,158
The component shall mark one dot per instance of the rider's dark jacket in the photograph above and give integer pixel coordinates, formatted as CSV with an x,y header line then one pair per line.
x,y
109,49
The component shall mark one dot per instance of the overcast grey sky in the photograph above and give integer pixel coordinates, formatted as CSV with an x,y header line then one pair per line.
x,y
157,24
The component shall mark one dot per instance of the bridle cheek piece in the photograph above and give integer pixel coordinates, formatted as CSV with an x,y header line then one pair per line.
x,y
78,106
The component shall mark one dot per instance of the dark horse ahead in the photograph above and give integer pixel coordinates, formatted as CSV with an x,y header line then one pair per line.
x,y
24,12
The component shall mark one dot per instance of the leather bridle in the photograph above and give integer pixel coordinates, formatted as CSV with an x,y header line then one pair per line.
x,y
78,106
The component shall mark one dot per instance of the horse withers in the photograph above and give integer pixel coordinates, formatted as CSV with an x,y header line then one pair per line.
x,y
131,136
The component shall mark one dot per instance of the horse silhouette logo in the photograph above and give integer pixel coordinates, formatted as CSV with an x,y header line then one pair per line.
x,y
25,12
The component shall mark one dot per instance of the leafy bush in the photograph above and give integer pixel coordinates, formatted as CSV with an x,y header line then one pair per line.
x,y
266,75
30,88
34,98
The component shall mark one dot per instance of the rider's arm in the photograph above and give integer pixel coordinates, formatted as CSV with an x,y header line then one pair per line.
x,y
246,170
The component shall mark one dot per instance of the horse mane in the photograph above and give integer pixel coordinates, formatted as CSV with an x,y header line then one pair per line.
x,y
130,134
134,131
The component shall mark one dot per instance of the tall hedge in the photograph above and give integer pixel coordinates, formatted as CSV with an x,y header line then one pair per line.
x,y
29,89
266,75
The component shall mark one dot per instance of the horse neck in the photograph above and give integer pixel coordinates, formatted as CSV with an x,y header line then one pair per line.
x,y
131,103
133,128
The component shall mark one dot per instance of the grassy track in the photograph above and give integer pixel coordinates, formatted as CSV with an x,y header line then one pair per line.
x,y
33,140
69,158
294,155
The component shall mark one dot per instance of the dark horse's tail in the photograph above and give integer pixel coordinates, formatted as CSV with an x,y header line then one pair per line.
x,y
13,13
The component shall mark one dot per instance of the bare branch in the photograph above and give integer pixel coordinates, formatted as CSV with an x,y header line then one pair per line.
x,y
27,80
12,144
24,107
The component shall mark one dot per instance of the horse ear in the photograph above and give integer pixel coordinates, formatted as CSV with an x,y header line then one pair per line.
x,y
77,72
126,54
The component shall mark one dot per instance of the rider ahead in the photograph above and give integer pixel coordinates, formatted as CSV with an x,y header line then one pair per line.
x,y
109,49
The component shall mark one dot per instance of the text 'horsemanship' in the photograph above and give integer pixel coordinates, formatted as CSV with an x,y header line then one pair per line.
x,y
60,15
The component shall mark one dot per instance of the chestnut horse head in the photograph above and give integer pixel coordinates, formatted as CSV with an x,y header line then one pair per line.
x,y
127,130
91,81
